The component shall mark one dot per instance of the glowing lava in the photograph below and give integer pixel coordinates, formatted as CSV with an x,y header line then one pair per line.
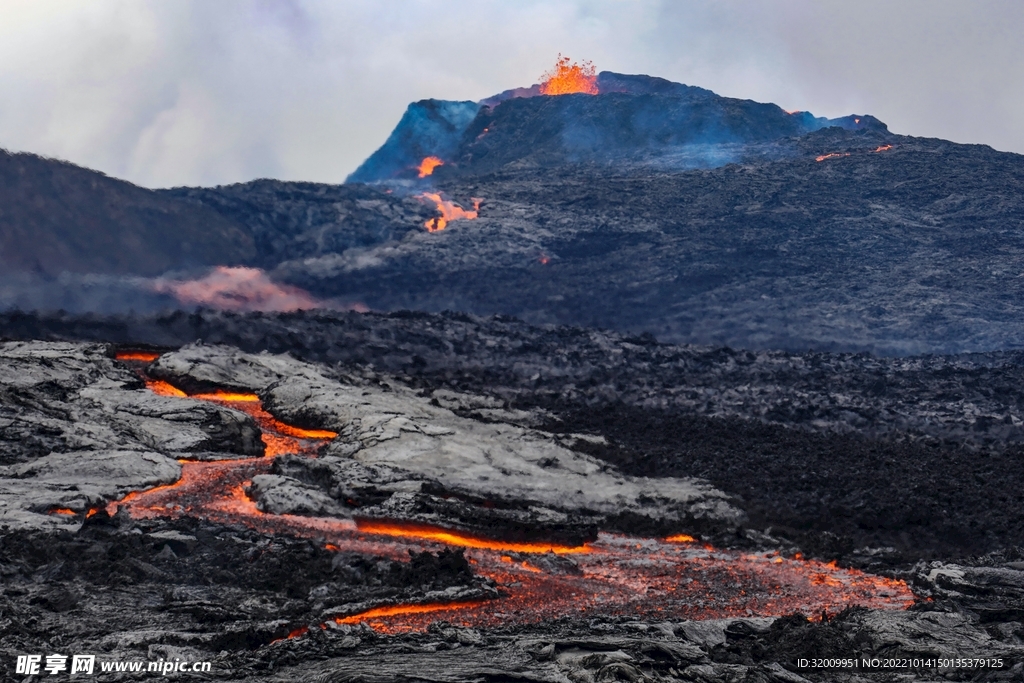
x,y
680,538
161,388
463,540
137,356
883,148
278,437
568,77
450,211
675,577
832,155
428,165
373,616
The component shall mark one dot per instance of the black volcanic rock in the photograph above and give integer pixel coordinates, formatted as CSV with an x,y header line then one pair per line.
x,y
57,217
894,245
866,459
541,132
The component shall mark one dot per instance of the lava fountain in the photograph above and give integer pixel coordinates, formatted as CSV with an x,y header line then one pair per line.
x,y
568,77
450,211
675,577
428,165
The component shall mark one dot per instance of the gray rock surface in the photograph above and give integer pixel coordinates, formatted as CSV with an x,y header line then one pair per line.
x,y
388,426
78,429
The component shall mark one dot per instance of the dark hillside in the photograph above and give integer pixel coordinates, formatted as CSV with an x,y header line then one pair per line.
x,y
56,217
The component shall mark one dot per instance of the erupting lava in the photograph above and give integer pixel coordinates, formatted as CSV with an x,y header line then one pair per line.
x,y
614,575
428,165
569,77
832,155
450,211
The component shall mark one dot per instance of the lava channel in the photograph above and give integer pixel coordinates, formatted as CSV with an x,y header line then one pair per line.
x,y
675,577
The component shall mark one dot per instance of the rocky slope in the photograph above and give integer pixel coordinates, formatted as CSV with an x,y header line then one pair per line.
x,y
738,228
907,250
59,218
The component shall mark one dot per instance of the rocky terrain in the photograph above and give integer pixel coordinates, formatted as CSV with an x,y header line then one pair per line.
x,y
856,457
716,221
239,585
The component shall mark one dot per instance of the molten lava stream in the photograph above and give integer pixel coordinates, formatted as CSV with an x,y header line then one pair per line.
x,y
650,578
614,575
448,537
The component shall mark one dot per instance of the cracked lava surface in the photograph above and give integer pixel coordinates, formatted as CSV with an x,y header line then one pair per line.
x,y
676,577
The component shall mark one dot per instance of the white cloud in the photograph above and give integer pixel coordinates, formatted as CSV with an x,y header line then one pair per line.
x,y
195,92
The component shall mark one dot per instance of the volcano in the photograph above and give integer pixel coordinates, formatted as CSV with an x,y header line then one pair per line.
x,y
633,118
646,207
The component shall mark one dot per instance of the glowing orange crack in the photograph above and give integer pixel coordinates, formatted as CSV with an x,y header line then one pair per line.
x,y
395,610
463,540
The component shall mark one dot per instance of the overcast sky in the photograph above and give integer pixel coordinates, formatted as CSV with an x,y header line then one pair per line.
x,y
202,92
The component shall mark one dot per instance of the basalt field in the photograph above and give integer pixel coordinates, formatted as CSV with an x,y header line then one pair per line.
x,y
605,379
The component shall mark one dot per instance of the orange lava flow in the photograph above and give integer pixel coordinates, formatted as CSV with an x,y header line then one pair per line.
x,y
462,540
278,437
615,575
882,148
62,511
371,616
428,165
161,388
137,356
228,397
832,155
450,211
680,538
568,77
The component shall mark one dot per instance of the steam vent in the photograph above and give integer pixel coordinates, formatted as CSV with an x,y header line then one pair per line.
x,y
607,378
